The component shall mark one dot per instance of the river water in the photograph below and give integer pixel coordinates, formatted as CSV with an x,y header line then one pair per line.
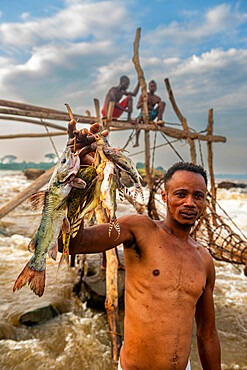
x,y
78,339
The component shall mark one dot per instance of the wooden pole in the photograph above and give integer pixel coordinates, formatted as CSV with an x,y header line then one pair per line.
x,y
18,136
24,194
143,85
183,120
111,302
210,159
36,122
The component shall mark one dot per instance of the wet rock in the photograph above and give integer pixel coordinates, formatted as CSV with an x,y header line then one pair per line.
x,y
33,173
93,288
4,232
39,315
6,331
230,184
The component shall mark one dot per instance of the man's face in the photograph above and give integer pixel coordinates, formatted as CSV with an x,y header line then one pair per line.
x,y
185,196
125,84
152,87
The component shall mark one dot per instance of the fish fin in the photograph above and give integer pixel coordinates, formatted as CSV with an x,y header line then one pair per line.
x,y
75,227
52,253
121,194
116,227
36,280
65,225
64,257
37,200
78,183
32,245
138,189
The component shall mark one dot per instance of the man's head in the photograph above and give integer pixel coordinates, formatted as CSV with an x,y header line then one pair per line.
x,y
152,86
124,82
185,192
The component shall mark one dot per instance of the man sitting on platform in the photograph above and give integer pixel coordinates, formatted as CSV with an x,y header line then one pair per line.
x,y
115,94
156,108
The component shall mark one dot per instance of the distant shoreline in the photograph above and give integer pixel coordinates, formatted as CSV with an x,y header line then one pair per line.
x,y
21,166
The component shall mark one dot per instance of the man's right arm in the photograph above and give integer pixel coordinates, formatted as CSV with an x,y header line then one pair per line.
x,y
96,239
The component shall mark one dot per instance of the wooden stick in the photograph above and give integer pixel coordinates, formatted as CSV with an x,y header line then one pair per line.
x,y
109,114
97,109
29,107
120,125
24,194
111,302
143,85
210,159
36,122
183,120
47,115
18,136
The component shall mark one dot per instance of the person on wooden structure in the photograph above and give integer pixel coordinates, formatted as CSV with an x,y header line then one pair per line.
x,y
156,108
169,276
115,94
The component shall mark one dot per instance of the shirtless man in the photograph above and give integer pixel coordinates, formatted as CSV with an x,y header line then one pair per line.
x,y
169,277
115,94
156,108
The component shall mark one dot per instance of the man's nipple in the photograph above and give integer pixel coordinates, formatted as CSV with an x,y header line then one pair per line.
x,y
156,272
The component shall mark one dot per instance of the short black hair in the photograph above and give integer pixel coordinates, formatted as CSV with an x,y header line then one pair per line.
x,y
124,78
152,82
185,166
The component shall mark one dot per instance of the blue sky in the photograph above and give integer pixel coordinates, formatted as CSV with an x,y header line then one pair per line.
x,y
52,52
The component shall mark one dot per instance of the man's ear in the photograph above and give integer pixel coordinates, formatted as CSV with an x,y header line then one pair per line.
x,y
164,195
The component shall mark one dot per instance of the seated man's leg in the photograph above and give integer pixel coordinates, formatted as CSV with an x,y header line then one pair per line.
x,y
138,131
130,107
161,109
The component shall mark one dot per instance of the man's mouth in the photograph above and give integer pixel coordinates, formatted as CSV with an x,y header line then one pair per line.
x,y
188,213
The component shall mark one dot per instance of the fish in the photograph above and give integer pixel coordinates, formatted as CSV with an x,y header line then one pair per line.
x,y
125,164
93,198
108,195
75,201
53,217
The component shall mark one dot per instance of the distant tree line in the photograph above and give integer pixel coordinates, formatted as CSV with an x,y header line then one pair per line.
x,y
8,162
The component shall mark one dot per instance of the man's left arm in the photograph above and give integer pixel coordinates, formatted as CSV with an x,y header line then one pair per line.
x,y
207,337
134,93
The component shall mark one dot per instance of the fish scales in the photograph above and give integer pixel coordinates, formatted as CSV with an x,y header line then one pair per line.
x,y
45,239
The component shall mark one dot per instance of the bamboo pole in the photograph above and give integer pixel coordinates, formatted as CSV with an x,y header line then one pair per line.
x,y
143,85
24,194
183,120
111,302
210,159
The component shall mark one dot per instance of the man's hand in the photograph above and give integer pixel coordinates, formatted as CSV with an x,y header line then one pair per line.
x,y
83,141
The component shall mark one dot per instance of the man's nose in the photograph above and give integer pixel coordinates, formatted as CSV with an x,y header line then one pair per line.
x,y
189,201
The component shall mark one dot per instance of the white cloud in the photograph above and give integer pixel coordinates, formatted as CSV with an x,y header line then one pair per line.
x,y
79,20
221,18
24,15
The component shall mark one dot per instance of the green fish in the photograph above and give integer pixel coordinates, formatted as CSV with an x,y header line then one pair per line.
x,y
75,201
45,240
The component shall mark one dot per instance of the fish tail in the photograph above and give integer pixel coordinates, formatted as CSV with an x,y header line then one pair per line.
x,y
36,280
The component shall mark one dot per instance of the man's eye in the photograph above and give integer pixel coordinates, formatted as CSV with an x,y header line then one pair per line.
x,y
181,195
198,196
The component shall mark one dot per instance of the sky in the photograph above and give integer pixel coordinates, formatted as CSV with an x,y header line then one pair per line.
x,y
72,51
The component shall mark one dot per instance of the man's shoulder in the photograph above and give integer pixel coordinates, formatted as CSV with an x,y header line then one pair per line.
x,y
137,220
